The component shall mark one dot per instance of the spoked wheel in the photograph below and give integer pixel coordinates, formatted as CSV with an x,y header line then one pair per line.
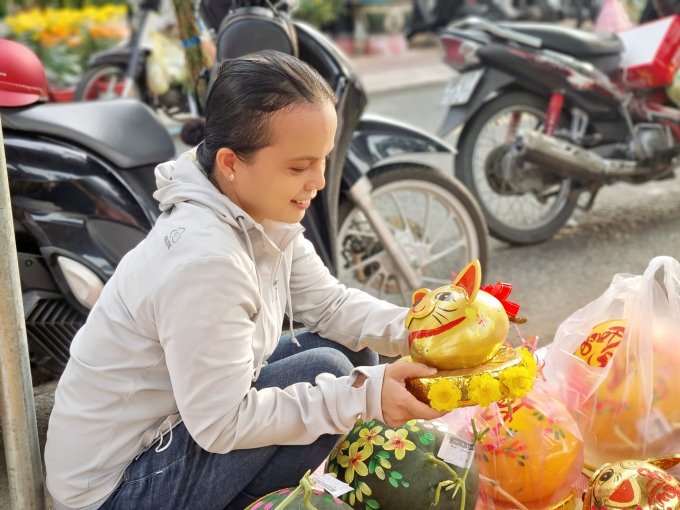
x,y
532,206
435,222
104,82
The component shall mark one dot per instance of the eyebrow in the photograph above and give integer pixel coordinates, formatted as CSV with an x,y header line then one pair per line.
x,y
310,158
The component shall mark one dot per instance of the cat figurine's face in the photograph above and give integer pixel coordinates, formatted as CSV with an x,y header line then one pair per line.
x,y
634,484
457,325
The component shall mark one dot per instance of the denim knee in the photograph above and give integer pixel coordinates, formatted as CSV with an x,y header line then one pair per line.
x,y
365,358
332,361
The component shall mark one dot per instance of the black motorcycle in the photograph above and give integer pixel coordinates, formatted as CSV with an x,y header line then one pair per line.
x,y
545,116
390,220
81,183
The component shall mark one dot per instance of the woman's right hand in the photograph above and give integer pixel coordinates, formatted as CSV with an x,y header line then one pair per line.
x,y
398,405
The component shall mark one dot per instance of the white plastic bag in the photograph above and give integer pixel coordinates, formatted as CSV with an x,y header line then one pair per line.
x,y
616,363
166,64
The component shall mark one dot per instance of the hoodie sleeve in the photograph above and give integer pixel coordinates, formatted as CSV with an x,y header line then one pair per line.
x,y
204,314
350,317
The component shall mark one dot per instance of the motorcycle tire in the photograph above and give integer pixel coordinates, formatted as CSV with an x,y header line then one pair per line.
x,y
407,177
96,72
465,171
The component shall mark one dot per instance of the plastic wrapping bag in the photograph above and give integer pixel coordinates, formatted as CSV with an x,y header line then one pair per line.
x,y
612,18
530,458
616,363
165,65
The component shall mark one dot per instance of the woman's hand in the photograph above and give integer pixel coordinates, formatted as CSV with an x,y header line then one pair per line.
x,y
398,405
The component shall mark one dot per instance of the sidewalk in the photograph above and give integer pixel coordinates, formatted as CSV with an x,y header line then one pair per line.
x,y
414,68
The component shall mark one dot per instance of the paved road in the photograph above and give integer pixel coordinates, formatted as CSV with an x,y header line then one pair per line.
x,y
627,227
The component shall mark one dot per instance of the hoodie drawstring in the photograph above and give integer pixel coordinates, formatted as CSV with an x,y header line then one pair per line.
x,y
242,223
158,448
290,301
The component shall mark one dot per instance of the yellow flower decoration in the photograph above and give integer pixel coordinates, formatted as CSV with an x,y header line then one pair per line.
x,y
444,395
412,424
340,447
484,389
529,361
517,380
481,323
396,440
370,437
354,461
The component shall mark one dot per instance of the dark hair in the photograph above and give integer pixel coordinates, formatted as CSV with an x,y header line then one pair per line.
x,y
247,92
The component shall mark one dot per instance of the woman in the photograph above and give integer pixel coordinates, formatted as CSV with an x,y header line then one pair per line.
x,y
179,393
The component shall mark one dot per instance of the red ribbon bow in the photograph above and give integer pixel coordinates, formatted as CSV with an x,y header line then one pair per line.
x,y
501,291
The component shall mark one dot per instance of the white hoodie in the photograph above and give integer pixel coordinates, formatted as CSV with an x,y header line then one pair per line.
x,y
181,331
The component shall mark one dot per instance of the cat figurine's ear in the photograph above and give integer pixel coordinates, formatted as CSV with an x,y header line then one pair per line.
x,y
470,278
419,310
665,462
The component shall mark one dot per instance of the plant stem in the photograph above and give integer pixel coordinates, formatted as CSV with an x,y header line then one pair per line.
x,y
306,485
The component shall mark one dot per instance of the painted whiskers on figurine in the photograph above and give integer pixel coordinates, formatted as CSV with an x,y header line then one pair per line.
x,y
634,484
461,329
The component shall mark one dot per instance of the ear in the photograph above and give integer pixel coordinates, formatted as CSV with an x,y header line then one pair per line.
x,y
470,278
665,462
418,295
225,161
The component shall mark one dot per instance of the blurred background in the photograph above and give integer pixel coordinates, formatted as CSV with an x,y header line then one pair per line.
x,y
393,48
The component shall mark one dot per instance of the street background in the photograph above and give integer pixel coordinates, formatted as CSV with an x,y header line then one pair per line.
x,y
626,228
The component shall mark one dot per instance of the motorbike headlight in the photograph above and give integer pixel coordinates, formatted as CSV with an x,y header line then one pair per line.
x,y
83,282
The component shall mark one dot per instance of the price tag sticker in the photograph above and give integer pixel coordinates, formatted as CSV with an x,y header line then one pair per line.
x,y
333,486
654,428
456,451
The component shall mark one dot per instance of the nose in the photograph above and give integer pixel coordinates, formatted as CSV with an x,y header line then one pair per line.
x,y
317,178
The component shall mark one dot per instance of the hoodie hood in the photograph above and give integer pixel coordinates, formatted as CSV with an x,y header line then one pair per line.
x,y
183,181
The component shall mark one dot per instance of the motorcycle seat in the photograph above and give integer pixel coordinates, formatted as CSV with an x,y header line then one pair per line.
x,y
124,131
570,41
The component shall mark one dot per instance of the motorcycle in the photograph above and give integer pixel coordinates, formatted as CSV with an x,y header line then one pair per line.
x,y
82,182
122,71
433,15
546,115
390,220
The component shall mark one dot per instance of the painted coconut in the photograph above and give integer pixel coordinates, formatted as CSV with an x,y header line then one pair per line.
x,y
530,456
634,484
398,468
318,499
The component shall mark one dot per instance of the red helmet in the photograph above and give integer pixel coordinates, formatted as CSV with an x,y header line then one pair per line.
x,y
22,76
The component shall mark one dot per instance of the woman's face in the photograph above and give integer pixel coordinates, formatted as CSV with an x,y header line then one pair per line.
x,y
280,180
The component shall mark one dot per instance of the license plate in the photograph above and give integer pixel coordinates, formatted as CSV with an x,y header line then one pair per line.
x,y
461,88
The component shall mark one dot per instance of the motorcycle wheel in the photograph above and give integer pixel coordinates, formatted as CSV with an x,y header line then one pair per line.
x,y
514,218
435,220
104,82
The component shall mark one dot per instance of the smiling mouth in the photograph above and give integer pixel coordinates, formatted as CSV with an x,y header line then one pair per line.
x,y
302,202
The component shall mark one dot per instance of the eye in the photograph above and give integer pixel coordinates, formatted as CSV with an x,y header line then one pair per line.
x,y
446,296
299,170
607,475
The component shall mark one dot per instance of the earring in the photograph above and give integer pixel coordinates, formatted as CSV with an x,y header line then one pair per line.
x,y
231,177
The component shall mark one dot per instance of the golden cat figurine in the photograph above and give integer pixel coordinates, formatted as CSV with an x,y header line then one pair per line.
x,y
634,484
458,325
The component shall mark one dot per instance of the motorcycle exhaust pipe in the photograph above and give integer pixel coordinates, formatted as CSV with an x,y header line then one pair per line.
x,y
568,159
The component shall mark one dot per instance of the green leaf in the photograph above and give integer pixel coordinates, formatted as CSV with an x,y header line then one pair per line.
x,y
486,459
540,418
396,474
520,463
328,499
394,482
371,466
383,454
424,440
372,503
405,484
430,436
562,433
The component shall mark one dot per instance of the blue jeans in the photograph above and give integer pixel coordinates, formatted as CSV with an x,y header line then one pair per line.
x,y
187,477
